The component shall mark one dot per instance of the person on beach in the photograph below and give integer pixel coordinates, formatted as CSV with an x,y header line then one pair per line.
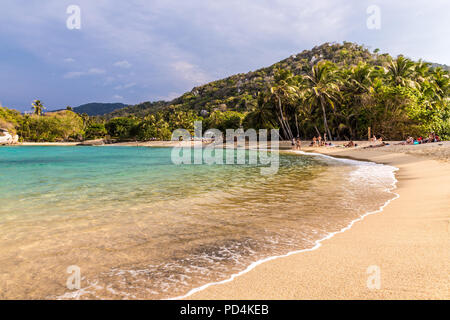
x,y
298,144
319,140
350,144
314,141
294,144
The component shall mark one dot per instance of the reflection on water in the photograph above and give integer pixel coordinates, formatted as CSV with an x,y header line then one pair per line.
x,y
141,227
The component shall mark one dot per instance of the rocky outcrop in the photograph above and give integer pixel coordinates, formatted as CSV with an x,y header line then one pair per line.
x,y
98,142
7,139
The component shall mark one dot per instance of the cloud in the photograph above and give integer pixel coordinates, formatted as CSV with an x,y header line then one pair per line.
x,y
125,86
169,97
96,71
175,45
73,74
123,64
78,74
190,72
117,97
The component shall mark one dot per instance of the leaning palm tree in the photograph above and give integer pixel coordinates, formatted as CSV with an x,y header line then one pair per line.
x,y
283,94
322,85
38,107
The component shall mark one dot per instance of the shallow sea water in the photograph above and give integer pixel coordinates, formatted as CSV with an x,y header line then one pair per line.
x,y
140,227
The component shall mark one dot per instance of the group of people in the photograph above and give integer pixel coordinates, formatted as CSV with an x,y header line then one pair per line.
x,y
316,142
296,143
432,137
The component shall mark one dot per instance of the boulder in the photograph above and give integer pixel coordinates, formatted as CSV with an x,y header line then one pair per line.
x,y
97,142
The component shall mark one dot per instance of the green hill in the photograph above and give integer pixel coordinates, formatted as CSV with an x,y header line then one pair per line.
x,y
239,92
98,109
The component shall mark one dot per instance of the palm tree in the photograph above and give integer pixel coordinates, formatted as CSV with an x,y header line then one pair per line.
x,y
322,85
400,72
261,116
441,82
421,71
38,107
282,95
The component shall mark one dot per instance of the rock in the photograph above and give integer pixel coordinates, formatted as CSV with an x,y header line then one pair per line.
x,y
6,138
98,142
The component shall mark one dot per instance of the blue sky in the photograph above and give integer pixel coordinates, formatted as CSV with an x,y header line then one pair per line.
x,y
135,51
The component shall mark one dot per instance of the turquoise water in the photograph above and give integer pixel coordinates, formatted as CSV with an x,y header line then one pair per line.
x,y
139,226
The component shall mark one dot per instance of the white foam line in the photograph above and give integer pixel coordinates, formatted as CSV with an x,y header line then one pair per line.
x,y
317,244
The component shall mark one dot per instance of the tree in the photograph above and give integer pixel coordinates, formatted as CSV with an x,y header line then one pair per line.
x,y
282,95
38,107
401,72
322,85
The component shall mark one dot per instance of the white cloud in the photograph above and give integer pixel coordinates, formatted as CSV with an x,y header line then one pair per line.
x,y
117,97
69,60
78,74
73,74
96,71
125,86
189,72
123,64
169,97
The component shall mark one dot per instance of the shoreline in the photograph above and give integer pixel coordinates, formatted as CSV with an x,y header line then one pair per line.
x,y
317,243
335,271
409,241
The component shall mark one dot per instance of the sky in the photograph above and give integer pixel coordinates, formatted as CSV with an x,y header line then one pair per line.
x,y
146,50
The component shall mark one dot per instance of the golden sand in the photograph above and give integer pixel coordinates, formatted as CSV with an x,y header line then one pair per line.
x,y
409,242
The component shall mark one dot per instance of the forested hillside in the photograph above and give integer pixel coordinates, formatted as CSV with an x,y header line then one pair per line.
x,y
339,90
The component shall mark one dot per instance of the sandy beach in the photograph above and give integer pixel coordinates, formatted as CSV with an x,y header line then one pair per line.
x,y
409,241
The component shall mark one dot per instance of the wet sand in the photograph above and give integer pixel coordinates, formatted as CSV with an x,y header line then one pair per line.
x,y
409,241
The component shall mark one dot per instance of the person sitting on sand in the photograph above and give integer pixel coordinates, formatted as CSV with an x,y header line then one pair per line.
x,y
314,141
350,144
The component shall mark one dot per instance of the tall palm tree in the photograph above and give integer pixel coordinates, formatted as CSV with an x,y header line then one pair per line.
x,y
401,71
38,107
283,94
322,85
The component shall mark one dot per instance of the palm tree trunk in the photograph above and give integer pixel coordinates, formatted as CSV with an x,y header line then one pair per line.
x,y
325,122
285,125
317,130
296,124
